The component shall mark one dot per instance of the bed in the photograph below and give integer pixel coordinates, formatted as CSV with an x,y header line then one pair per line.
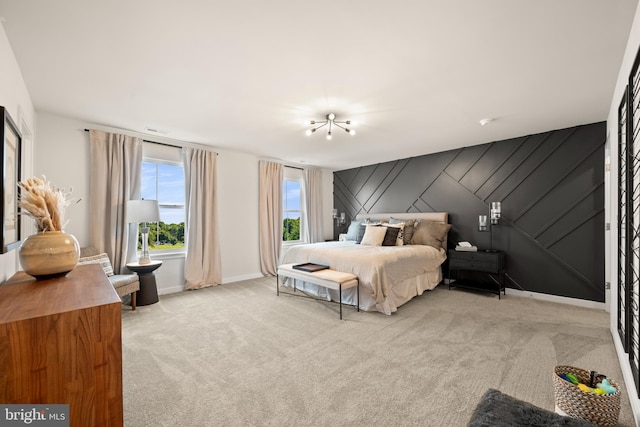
x,y
389,276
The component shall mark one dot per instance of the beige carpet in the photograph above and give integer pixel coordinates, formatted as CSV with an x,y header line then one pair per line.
x,y
238,355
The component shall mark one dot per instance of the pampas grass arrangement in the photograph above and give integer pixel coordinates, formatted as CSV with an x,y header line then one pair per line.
x,y
45,204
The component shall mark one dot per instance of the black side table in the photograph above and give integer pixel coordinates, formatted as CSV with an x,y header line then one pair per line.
x,y
148,293
489,262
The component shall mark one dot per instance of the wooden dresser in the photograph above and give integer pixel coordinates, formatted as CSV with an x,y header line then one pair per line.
x,y
61,342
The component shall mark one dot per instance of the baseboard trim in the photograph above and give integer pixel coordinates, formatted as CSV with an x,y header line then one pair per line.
x,y
171,290
558,299
232,279
226,280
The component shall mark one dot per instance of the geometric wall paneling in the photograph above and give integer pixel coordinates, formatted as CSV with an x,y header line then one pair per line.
x,y
551,186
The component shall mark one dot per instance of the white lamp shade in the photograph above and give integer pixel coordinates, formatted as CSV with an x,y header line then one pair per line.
x,y
143,211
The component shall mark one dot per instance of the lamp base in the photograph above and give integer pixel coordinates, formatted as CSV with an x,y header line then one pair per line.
x,y
144,260
144,255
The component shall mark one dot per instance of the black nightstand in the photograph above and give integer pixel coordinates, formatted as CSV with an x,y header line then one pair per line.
x,y
489,262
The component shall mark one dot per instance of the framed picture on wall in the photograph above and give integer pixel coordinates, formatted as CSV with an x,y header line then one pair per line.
x,y
11,150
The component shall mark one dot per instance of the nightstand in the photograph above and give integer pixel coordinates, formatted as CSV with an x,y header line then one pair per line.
x,y
489,262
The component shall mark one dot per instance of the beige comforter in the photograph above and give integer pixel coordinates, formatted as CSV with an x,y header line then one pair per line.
x,y
378,267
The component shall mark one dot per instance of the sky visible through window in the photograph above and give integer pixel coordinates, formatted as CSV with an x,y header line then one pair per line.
x,y
291,199
170,189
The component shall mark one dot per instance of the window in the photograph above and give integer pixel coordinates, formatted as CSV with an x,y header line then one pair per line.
x,y
292,204
163,180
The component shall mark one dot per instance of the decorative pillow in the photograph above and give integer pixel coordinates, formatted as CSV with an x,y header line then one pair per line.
x,y
391,236
374,235
409,228
409,225
430,233
400,238
101,259
354,227
361,231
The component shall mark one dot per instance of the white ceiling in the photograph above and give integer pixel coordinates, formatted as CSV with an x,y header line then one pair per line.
x,y
417,75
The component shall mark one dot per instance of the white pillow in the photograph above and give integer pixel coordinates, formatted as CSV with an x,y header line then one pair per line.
x,y
400,239
373,235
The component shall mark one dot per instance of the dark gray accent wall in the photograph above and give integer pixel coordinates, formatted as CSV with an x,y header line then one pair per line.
x,y
551,186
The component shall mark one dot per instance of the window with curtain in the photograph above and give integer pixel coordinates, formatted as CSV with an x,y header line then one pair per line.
x,y
163,180
292,206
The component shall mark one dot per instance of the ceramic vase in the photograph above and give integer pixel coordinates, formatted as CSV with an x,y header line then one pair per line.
x,y
49,253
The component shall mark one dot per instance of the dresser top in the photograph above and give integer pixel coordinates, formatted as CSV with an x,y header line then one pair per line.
x,y
24,297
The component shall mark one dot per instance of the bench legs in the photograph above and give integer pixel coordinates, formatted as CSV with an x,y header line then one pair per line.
x,y
339,289
357,298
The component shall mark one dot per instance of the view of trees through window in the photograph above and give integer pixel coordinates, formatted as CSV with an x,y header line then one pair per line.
x,y
291,210
165,183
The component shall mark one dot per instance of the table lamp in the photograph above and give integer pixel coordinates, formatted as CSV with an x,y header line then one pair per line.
x,y
143,211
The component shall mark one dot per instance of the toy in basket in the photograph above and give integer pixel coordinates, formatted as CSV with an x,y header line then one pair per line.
x,y
586,395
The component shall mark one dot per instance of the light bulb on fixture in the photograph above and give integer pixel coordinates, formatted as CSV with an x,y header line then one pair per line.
x,y
331,121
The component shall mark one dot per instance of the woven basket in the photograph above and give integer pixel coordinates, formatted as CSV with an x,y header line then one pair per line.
x,y
601,410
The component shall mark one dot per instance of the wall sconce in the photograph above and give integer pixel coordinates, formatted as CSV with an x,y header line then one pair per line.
x,y
486,223
495,211
339,217
482,223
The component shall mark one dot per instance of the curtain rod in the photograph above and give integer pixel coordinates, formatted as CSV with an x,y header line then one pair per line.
x,y
159,143
153,142
293,167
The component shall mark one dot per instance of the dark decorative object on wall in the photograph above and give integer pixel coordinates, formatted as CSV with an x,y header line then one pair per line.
x,y
551,186
11,154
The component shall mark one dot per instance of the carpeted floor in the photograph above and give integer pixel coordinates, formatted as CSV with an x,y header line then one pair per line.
x,y
237,355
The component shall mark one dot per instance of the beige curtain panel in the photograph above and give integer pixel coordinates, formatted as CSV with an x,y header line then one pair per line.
x,y
202,265
270,214
312,213
116,164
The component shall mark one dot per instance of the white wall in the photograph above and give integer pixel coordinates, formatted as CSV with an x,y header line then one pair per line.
x,y
62,154
611,199
15,98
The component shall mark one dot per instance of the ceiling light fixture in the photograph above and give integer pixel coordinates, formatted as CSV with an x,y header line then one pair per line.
x,y
331,121
485,122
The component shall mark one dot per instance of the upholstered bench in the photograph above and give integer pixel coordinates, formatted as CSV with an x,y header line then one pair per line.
x,y
327,278
124,284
